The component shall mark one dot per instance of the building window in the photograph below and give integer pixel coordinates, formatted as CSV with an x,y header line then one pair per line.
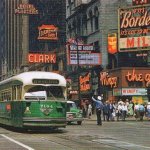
x,y
96,46
85,22
91,20
96,17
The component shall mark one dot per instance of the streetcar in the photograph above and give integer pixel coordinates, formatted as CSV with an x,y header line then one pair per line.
x,y
33,100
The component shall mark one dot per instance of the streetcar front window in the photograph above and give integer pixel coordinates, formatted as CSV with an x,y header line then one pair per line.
x,y
52,92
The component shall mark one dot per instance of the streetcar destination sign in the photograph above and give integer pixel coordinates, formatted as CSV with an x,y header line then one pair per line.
x,y
45,81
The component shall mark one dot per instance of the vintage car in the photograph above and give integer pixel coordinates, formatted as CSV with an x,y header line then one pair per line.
x,y
74,114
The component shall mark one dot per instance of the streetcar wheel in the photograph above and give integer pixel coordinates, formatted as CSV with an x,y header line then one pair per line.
x,y
69,122
79,122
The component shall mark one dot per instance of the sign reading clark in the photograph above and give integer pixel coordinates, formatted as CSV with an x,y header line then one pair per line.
x,y
134,28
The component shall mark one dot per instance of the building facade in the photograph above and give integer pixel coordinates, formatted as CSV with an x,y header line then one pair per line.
x,y
20,23
94,21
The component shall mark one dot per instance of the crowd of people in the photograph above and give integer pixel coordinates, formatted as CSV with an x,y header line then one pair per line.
x,y
117,111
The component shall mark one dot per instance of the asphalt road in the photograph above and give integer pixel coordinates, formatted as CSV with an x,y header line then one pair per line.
x,y
128,135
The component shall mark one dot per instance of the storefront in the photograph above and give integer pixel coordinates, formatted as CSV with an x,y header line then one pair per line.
x,y
126,83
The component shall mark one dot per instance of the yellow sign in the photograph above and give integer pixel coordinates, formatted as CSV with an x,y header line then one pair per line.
x,y
137,99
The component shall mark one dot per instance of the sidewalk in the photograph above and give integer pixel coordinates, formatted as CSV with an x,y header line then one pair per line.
x,y
94,118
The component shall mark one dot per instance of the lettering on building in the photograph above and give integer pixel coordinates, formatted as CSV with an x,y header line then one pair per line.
x,y
132,76
48,32
134,28
85,82
26,9
42,58
107,80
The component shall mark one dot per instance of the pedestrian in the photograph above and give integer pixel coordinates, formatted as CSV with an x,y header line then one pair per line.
x,y
141,111
136,111
105,111
148,110
130,108
89,111
124,111
119,111
99,108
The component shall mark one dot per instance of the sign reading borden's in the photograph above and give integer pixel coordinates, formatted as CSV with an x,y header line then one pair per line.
x,y
134,28
48,32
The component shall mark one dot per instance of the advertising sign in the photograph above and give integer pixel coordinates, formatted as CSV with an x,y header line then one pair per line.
x,y
134,28
48,32
112,43
84,54
140,2
85,82
42,58
134,91
26,9
117,92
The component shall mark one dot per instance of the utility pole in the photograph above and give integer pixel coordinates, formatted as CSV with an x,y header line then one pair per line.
x,y
78,72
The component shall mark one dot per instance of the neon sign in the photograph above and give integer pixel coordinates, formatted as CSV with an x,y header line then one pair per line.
x,y
106,80
42,58
135,77
26,9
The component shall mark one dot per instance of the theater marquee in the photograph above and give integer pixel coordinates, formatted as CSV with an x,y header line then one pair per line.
x,y
134,28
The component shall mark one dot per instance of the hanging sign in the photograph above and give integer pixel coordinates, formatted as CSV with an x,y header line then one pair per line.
x,y
48,32
42,58
26,9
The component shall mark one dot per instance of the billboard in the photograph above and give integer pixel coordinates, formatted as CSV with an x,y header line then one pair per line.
x,y
134,28
140,2
82,55
26,9
112,43
48,32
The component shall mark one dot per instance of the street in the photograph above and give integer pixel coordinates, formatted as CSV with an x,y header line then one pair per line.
x,y
127,135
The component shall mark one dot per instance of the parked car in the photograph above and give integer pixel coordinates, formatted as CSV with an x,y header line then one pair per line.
x,y
74,114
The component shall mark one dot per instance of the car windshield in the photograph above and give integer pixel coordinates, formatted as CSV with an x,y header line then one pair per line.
x,y
70,106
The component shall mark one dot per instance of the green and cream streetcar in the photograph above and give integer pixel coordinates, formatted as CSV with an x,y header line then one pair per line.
x,y
33,99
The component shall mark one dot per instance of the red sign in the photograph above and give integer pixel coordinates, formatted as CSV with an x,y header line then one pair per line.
x,y
8,107
48,32
41,58
26,9
85,82
112,43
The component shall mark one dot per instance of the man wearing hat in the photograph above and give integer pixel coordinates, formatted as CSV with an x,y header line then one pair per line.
x,y
99,108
